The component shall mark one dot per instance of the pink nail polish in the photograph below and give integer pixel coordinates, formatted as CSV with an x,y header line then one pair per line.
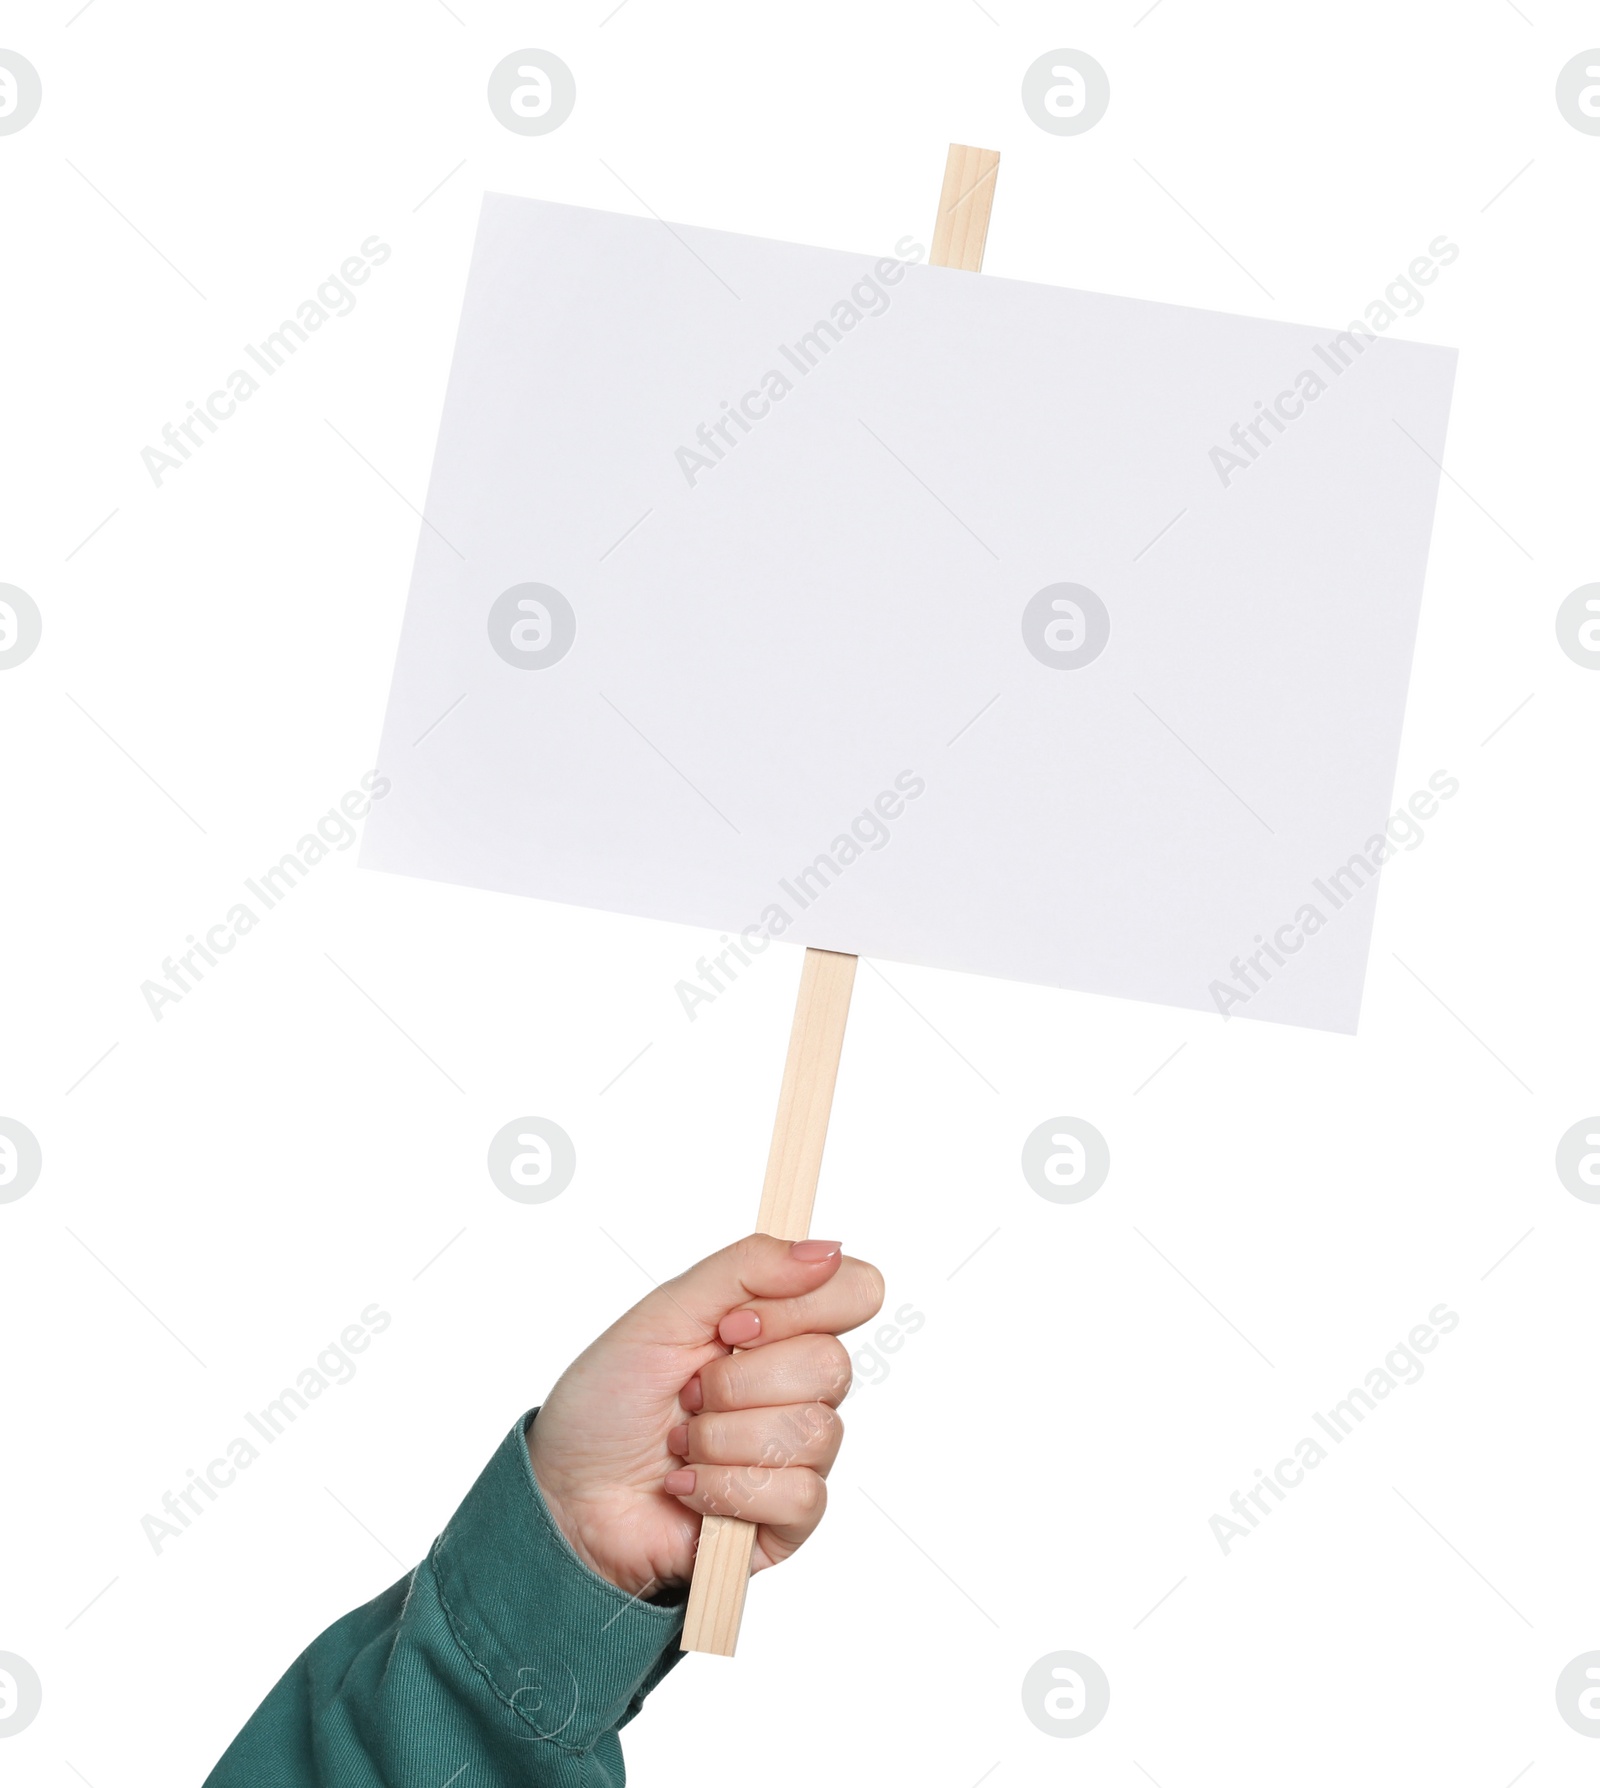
x,y
739,1327
814,1251
678,1440
678,1483
692,1395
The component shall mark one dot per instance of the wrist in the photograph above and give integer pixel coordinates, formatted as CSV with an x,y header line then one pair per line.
x,y
581,1525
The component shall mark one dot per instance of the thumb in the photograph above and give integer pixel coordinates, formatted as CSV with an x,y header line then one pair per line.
x,y
688,1308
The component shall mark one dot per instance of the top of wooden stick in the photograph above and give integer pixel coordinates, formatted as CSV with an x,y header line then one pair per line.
x,y
964,206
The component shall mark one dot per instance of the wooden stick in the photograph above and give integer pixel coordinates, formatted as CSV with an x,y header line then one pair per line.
x,y
962,225
722,1562
806,1096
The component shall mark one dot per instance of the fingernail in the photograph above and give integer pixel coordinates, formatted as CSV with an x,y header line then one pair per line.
x,y
692,1396
739,1327
814,1250
678,1440
678,1483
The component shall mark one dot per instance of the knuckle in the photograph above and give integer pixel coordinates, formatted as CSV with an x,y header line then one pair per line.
x,y
753,1257
826,1424
791,1438
725,1382
809,1491
875,1289
832,1361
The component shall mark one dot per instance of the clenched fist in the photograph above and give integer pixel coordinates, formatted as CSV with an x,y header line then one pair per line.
x,y
660,1422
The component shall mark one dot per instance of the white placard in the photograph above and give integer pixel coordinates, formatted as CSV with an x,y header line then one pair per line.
x,y
914,613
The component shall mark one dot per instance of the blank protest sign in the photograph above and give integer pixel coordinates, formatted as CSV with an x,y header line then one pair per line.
x,y
912,613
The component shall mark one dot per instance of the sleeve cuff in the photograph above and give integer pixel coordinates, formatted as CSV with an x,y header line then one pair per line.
x,y
568,1653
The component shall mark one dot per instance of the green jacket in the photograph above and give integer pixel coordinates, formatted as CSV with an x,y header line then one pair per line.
x,y
501,1659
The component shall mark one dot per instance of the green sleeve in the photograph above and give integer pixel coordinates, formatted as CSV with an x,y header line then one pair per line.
x,y
501,1659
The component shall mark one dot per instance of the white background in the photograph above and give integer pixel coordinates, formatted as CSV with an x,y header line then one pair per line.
x,y
1037,1470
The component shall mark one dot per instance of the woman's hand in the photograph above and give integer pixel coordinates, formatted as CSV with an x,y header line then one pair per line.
x,y
658,1422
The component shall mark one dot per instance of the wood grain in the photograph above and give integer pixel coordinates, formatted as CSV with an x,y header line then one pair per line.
x,y
722,1562
806,1096
962,226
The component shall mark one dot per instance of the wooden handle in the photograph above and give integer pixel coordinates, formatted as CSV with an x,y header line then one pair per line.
x,y
967,197
722,1562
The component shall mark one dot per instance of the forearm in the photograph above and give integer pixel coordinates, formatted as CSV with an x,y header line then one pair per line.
x,y
501,1650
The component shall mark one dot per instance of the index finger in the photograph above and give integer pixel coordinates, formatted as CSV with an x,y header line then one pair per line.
x,y
853,1295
